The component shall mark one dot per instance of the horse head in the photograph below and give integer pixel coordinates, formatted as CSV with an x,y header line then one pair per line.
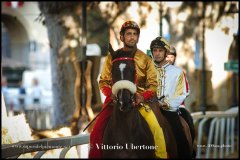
x,y
123,78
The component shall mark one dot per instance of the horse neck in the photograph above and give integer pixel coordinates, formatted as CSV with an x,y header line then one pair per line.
x,y
127,119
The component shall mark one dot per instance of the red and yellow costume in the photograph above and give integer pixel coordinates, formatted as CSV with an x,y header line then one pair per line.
x,y
146,82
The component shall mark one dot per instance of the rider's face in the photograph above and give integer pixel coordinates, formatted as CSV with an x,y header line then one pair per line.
x,y
130,37
170,59
159,54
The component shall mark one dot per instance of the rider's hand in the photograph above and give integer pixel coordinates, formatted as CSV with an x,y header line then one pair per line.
x,y
139,98
164,105
114,98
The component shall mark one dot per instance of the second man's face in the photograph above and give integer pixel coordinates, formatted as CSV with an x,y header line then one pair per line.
x,y
130,37
159,54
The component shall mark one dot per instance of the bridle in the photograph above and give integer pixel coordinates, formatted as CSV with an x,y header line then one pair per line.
x,y
119,100
123,59
132,98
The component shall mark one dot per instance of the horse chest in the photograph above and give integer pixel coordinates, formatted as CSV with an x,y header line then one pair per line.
x,y
128,136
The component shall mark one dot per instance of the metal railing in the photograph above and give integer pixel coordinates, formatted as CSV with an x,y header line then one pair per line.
x,y
222,129
43,145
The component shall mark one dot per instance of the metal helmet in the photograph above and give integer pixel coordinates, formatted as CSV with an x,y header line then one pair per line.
x,y
160,42
172,51
129,24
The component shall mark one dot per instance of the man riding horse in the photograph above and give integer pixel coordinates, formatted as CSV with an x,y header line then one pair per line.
x,y
146,83
172,92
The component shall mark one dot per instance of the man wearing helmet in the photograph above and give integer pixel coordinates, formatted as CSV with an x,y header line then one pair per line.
x,y
171,58
146,82
170,91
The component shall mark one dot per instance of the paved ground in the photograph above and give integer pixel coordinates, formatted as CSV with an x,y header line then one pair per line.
x,y
233,155
83,150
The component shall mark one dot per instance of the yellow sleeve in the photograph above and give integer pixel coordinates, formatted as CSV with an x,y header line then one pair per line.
x,y
106,75
151,76
179,94
146,77
180,85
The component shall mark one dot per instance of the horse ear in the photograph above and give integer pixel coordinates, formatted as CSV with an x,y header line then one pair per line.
x,y
110,49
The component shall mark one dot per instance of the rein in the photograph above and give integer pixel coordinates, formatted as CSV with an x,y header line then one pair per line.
x,y
94,118
122,59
